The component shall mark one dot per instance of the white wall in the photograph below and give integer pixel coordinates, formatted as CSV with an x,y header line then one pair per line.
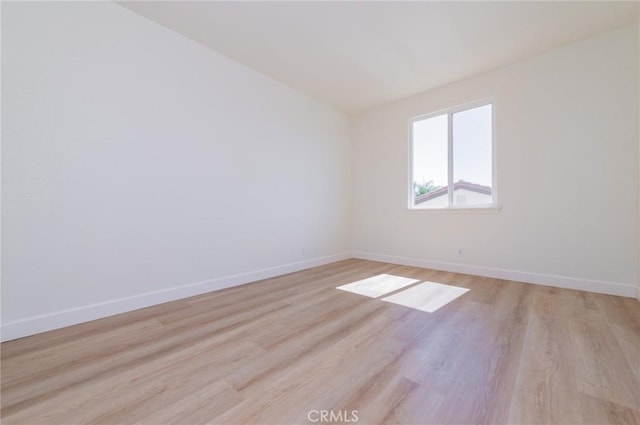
x,y
567,146
136,161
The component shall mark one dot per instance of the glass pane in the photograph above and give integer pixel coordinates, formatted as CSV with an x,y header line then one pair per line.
x,y
430,163
472,156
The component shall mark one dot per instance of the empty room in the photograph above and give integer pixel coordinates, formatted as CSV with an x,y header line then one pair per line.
x,y
306,212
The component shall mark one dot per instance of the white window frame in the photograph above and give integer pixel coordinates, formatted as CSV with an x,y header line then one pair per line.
x,y
493,206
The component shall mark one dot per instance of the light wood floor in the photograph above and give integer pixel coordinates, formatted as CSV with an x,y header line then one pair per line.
x,y
272,351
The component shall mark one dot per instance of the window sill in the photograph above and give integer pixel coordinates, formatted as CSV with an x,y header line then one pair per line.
x,y
456,210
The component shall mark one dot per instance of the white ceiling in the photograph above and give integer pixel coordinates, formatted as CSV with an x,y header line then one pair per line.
x,y
359,54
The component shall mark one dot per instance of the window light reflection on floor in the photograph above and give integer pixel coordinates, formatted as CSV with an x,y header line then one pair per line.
x,y
379,285
426,296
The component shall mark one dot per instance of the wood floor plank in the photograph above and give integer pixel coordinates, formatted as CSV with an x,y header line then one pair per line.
x,y
604,370
596,411
547,384
198,407
84,349
122,394
630,345
35,387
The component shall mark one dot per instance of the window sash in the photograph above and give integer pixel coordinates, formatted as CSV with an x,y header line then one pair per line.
x,y
450,184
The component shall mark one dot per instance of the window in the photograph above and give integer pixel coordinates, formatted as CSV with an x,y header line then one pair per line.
x,y
452,159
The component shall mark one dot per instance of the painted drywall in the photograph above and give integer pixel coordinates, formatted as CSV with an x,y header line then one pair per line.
x,y
136,161
567,149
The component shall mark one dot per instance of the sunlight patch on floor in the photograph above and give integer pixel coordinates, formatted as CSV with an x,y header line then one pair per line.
x,y
427,296
377,286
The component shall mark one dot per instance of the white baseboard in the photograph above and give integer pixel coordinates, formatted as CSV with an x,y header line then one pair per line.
x,y
602,287
73,316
